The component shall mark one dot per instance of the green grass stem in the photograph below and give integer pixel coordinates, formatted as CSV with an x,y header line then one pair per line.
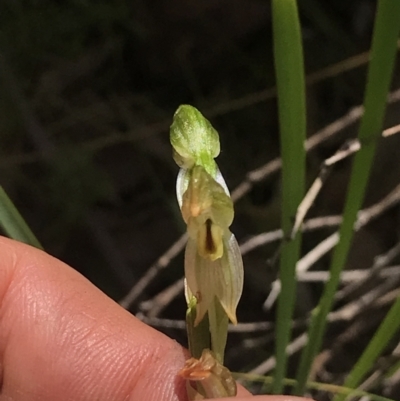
x,y
311,385
384,48
13,223
381,338
289,69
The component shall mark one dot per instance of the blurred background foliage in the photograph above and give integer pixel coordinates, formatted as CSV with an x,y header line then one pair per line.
x,y
88,89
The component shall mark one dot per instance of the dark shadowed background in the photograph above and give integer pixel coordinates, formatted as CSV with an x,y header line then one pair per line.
x,y
87,93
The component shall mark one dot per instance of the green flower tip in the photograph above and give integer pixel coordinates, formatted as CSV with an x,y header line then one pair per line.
x,y
194,139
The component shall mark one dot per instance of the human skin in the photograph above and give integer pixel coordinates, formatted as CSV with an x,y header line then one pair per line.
x,y
62,339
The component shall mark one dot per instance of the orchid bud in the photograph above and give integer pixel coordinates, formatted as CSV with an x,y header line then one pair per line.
x,y
194,139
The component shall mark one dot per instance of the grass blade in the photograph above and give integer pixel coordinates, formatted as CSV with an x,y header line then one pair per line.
x,y
386,31
13,223
289,69
384,334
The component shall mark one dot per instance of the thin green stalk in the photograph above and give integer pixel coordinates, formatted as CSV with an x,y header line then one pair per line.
x,y
289,69
384,334
218,329
198,336
386,32
13,223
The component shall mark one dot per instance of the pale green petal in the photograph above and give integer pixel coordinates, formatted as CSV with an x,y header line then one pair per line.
x,y
182,162
182,183
220,179
204,199
222,278
218,326
199,273
230,276
188,294
198,198
222,206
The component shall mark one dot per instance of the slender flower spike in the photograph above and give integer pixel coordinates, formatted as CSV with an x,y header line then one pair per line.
x,y
213,263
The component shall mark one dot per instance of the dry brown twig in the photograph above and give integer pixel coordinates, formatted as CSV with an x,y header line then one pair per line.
x,y
364,217
373,272
250,327
153,307
352,331
347,276
161,263
252,178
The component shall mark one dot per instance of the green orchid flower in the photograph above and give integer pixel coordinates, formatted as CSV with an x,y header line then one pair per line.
x,y
213,263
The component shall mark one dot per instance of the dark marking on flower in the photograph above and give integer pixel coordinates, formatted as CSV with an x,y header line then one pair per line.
x,y
210,244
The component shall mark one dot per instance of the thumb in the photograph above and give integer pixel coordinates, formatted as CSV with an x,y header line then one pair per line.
x,y
62,339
